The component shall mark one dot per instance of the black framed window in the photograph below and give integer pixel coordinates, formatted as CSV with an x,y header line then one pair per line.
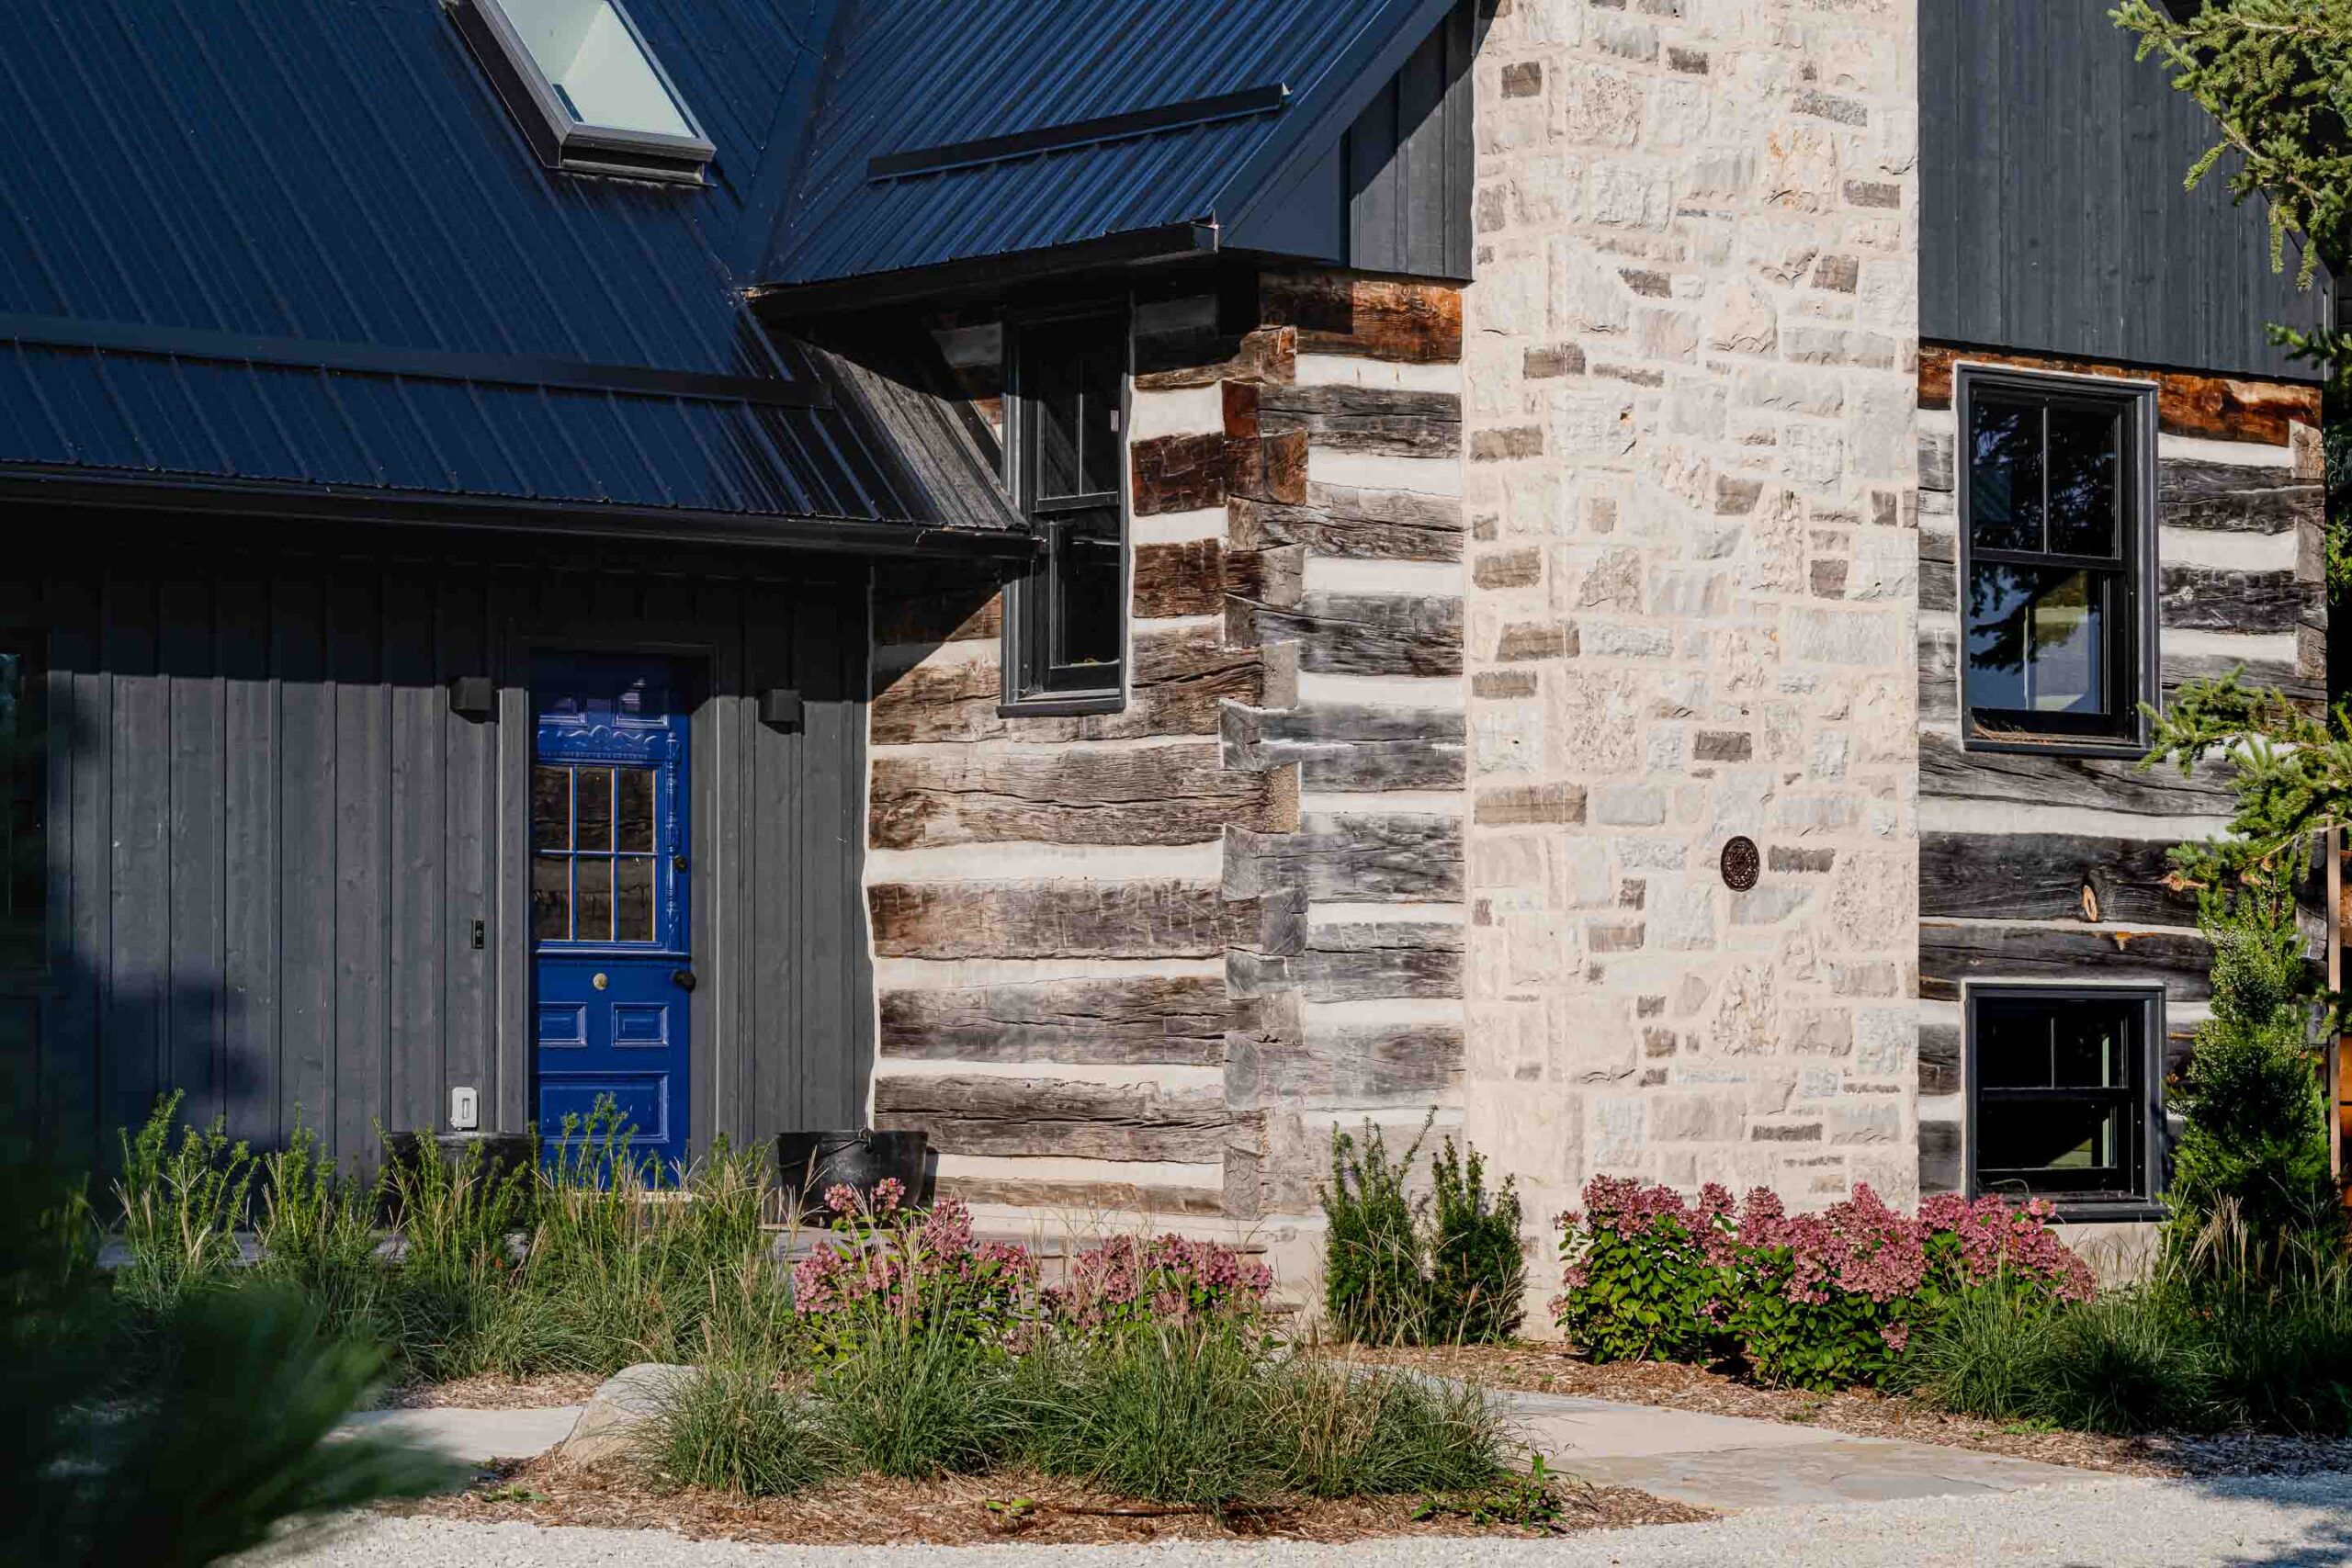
x,y
1066,623
586,87
2054,548
23,792
2066,1098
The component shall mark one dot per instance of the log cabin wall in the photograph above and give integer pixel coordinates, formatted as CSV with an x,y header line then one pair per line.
x,y
1135,966
2052,868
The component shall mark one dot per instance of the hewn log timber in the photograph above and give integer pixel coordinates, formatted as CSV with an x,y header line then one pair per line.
x,y
1350,747
1350,858
1075,919
1176,473
2043,877
1359,634
2204,598
1201,356
1085,1197
1181,676
1172,580
1354,419
1348,964
975,1115
2227,497
1947,773
1939,1058
1954,952
1155,794
2218,407
928,604
1351,1065
1340,312
1177,1020
1348,523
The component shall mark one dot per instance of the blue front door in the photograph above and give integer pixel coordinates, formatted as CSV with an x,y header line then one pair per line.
x,y
613,965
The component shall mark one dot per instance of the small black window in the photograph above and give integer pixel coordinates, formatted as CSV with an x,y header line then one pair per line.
x,y
2053,548
586,87
24,789
2066,1095
1066,627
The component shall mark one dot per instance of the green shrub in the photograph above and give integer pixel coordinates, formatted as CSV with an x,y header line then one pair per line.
x,y
1448,1269
1643,1274
207,1444
736,1429
182,1204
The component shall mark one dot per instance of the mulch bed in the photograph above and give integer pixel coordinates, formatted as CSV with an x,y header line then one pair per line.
x,y
956,1511
490,1391
1551,1369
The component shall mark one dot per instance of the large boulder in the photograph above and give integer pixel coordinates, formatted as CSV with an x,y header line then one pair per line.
x,y
612,1423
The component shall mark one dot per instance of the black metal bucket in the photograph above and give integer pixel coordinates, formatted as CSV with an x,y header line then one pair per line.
x,y
812,1163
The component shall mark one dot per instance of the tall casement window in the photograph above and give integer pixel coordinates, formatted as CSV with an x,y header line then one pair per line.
x,y
2065,1093
2055,547
585,87
24,786
1066,623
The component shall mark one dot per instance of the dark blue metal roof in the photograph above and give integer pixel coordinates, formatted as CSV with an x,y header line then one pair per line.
x,y
908,74
301,243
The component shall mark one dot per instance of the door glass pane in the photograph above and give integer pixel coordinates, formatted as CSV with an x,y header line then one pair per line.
x,y
633,811
2036,639
594,809
1050,394
2005,475
1099,415
552,809
2086,464
633,900
594,923
551,897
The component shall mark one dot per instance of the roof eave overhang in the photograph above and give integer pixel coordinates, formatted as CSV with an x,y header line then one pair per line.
x,y
985,275
296,503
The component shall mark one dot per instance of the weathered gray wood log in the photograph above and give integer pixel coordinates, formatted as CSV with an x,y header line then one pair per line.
x,y
1349,748
1340,520
1181,794
1085,1197
1351,1065
1954,952
1939,1058
1401,959
1201,356
2041,876
1947,773
2234,499
2204,598
1348,858
1076,920
975,1115
1181,676
1366,419
1359,634
1186,579
1175,1020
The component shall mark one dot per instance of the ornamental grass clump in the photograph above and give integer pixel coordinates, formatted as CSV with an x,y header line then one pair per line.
x,y
1443,1267
1821,1299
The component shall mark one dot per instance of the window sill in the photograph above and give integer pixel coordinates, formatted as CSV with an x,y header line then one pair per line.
x,y
2057,746
1059,705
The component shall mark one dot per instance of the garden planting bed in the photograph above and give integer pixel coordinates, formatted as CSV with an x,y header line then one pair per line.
x,y
1010,1504
489,1391
1533,1368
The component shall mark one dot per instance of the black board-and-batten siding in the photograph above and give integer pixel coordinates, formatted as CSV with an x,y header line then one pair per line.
x,y
270,838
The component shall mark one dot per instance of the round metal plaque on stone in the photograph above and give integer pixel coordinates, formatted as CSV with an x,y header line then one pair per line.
x,y
1741,864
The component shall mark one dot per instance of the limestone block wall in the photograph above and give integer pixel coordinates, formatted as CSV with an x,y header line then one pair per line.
x,y
1692,431
1134,966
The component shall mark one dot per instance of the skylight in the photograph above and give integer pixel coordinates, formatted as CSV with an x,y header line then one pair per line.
x,y
590,95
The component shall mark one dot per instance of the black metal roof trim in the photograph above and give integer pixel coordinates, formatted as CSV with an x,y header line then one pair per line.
x,y
228,498
1249,101
984,275
382,360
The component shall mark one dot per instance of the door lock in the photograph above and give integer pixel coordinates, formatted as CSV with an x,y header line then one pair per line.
x,y
677,863
682,979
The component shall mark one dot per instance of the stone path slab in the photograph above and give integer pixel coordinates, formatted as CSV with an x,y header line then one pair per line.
x,y
471,1437
1734,1463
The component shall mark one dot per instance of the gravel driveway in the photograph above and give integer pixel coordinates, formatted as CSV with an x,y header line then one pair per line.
x,y
2242,1523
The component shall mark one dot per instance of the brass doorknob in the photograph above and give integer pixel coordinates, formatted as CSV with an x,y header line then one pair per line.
x,y
601,981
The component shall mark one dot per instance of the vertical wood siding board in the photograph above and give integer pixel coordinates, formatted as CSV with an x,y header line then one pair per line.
x,y
192,695
1421,155
781,916
863,1027
719,1029
71,1053
1371,184
305,860
830,1036
511,597
468,870
249,841
138,919
362,842
736,721
417,783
